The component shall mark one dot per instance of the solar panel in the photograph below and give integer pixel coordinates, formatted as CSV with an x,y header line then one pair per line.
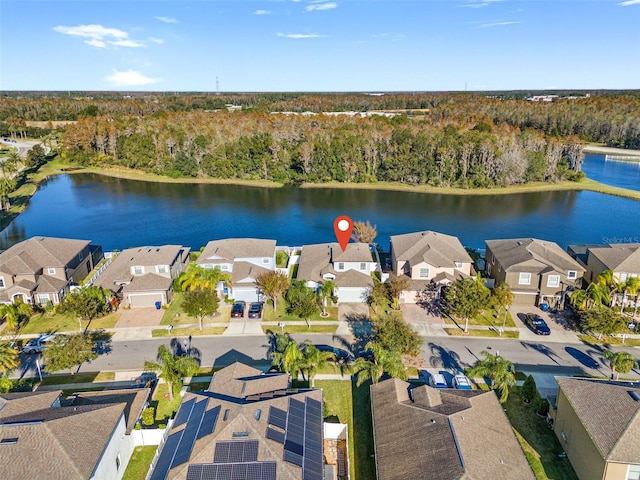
x,y
221,453
209,421
236,451
233,471
277,417
294,458
275,435
189,433
166,457
194,472
184,412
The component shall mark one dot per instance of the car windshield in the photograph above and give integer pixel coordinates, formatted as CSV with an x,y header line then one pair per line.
x,y
538,321
255,308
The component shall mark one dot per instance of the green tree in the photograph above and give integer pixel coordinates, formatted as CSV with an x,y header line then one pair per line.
x,y
86,303
629,287
382,361
603,321
15,313
312,360
621,362
499,370
395,286
378,298
206,278
69,352
36,156
595,295
326,293
273,285
8,358
306,307
287,355
466,299
529,389
7,186
173,368
363,232
394,334
199,303
501,297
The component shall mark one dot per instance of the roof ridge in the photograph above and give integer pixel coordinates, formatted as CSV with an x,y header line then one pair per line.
x,y
634,418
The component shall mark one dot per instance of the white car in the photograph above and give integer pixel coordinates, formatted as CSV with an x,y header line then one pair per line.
x,y
462,383
37,345
437,380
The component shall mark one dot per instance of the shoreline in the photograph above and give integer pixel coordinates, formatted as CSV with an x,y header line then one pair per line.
x,y
622,152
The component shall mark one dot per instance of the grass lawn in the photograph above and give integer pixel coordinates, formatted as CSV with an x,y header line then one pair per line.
x,y
53,322
60,379
174,314
300,329
616,341
351,405
140,462
187,331
165,408
486,318
537,440
456,332
281,315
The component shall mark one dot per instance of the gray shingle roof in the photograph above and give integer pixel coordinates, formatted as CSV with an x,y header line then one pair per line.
x,y
245,271
533,255
609,414
148,282
619,257
442,435
229,249
434,248
35,253
318,259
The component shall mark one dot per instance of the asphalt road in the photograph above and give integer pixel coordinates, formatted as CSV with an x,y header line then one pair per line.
x,y
437,353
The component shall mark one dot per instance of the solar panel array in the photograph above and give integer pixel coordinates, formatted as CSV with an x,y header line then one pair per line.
x,y
275,435
236,451
277,417
236,471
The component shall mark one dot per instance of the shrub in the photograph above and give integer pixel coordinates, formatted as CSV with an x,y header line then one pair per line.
x,y
541,406
162,426
137,426
529,390
148,416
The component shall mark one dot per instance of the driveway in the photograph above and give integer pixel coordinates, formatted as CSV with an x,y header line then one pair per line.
x,y
560,331
423,313
353,312
139,317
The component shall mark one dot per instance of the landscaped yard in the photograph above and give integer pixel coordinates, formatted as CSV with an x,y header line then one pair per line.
x,y
139,464
281,315
477,332
174,314
538,441
606,340
165,408
54,322
187,331
300,329
60,379
486,318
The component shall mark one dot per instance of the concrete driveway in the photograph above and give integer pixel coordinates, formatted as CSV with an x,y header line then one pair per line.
x,y
353,312
560,331
423,313
139,317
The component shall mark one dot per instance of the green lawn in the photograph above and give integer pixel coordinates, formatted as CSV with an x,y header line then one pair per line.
x,y
165,408
628,342
53,322
351,405
187,331
281,315
474,332
300,329
140,462
174,314
537,440
57,379
488,318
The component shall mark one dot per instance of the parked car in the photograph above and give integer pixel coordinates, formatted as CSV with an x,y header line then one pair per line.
x,y
341,355
255,310
436,380
238,309
37,345
461,383
537,324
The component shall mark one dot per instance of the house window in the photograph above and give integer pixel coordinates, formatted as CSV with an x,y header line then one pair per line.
x,y
226,415
265,260
525,279
51,270
572,274
458,264
488,269
340,266
424,273
2,282
363,266
553,281
258,414
634,472
493,259
623,277
162,269
138,270
118,462
224,267
43,297
80,257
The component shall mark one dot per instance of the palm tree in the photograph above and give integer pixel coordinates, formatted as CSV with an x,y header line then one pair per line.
x,y
8,358
312,360
206,278
631,286
383,361
596,294
621,362
325,293
499,370
172,367
287,356
607,281
363,232
15,313
273,285
7,185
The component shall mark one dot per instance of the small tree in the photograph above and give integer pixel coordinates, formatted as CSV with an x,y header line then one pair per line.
x,y
325,293
602,321
541,406
395,286
172,367
199,303
466,299
148,416
382,361
621,362
501,297
287,356
8,358
394,334
86,303
305,308
378,298
529,390
499,370
363,232
69,352
312,360
273,285
15,313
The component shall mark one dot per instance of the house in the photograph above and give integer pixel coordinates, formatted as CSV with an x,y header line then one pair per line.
x,y
142,276
443,434
43,435
42,269
598,425
245,259
623,259
538,271
428,259
350,269
246,425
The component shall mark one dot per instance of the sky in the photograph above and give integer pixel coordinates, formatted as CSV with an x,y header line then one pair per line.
x,y
319,45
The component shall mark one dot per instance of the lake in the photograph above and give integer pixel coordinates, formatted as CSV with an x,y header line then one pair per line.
x,y
118,213
612,172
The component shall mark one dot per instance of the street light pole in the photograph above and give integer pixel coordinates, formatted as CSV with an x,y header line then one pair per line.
x,y
504,320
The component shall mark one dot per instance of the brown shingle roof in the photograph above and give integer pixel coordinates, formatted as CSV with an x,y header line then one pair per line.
x,y
229,249
37,252
619,257
532,254
148,282
434,248
609,414
135,400
318,259
442,435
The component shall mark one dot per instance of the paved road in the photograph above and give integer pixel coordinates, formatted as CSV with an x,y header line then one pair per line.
x,y
437,353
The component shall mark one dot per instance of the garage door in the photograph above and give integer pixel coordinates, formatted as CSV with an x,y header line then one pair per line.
x,y
525,299
352,294
246,294
144,299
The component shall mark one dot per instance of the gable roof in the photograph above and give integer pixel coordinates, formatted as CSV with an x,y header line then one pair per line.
x,y
619,257
30,256
245,423
228,249
319,259
433,248
532,255
245,273
54,442
441,434
609,414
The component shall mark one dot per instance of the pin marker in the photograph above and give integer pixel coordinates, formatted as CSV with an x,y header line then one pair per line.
x,y
343,226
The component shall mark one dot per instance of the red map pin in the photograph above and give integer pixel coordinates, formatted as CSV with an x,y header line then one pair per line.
x,y
343,226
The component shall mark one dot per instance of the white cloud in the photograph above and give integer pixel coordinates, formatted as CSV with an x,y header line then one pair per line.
x,y
299,35
498,24
321,6
130,78
99,36
157,40
166,19
474,5
262,12
629,2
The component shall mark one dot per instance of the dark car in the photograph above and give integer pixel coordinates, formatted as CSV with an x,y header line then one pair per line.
x,y
255,310
538,325
341,355
238,309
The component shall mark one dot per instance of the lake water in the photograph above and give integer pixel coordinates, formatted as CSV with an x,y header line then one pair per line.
x,y
612,172
117,214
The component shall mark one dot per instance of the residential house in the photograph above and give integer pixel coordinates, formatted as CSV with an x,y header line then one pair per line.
x,y
623,259
42,269
245,259
246,425
86,436
538,271
598,425
143,276
350,269
443,434
429,260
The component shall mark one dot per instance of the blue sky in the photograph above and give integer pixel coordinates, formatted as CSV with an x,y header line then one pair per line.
x,y
309,45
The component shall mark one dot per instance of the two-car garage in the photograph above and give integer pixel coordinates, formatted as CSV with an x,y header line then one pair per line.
x,y
139,300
